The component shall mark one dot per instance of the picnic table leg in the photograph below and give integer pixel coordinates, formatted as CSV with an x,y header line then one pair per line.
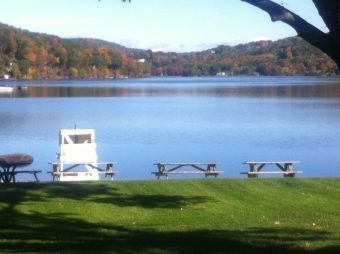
x,y
5,175
109,169
162,171
110,174
288,167
8,174
12,175
211,168
36,177
253,168
56,169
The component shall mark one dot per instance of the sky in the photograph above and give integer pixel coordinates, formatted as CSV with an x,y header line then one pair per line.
x,y
166,25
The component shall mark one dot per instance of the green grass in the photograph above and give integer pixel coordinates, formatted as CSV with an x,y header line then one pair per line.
x,y
174,216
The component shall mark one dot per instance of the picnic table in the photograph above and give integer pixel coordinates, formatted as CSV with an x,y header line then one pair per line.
x,y
208,169
9,164
108,171
286,168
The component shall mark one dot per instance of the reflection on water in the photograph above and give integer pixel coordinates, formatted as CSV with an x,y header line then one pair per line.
x,y
327,91
273,87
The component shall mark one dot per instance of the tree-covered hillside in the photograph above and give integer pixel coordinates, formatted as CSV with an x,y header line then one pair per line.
x,y
291,56
26,55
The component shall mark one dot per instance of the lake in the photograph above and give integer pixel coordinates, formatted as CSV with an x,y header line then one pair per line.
x,y
138,122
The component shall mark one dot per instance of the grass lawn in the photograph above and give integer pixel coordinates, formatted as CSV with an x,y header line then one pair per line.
x,y
174,216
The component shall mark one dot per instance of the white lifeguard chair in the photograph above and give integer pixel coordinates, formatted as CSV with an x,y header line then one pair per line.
x,y
78,157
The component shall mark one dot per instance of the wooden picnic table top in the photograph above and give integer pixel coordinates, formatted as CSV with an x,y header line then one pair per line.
x,y
207,168
15,160
271,162
80,163
273,172
185,163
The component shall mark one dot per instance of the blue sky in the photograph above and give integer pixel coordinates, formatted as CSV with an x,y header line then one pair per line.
x,y
168,25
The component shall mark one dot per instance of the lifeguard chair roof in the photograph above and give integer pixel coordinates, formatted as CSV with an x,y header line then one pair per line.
x,y
77,136
77,146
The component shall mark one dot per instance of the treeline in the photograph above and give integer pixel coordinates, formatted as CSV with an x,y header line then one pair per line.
x,y
290,56
26,55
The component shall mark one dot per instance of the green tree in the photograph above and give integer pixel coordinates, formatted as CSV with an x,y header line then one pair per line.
x,y
15,71
21,49
23,65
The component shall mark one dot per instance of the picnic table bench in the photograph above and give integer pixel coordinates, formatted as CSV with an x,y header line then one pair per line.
x,y
108,171
32,172
208,169
286,168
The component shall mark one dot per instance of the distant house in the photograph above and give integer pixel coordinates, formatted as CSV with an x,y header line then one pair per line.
x,y
141,60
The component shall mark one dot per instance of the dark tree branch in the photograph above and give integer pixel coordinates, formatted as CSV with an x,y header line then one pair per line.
x,y
329,11
278,13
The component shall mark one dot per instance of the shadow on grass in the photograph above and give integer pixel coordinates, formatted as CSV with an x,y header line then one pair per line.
x,y
40,233
13,195
62,233
110,195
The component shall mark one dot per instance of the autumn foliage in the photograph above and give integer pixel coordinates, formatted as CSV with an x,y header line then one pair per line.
x,y
26,55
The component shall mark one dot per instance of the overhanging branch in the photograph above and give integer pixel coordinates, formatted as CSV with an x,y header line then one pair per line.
x,y
304,29
329,11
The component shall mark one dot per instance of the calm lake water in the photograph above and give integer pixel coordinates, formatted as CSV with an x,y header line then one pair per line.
x,y
138,122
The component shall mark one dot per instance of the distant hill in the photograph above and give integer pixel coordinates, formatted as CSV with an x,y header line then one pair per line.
x,y
27,55
90,42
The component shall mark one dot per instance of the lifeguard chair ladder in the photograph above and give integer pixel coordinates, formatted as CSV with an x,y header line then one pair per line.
x,y
77,150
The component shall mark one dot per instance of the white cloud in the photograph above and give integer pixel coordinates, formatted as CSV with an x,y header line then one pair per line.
x,y
177,47
260,38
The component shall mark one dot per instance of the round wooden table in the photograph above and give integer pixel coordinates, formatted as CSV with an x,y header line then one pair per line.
x,y
8,164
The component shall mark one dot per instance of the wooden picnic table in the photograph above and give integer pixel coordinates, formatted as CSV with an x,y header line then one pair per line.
x,y
9,163
208,168
108,171
286,168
